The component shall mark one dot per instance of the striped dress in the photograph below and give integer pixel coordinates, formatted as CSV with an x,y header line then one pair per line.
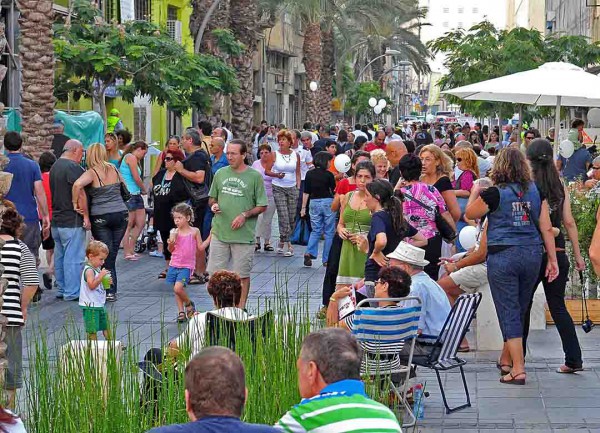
x,y
340,407
19,270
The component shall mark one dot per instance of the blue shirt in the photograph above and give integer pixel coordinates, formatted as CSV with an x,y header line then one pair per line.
x,y
215,424
435,306
25,173
222,162
575,167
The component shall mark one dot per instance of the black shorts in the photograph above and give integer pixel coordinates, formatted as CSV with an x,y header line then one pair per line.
x,y
199,212
48,243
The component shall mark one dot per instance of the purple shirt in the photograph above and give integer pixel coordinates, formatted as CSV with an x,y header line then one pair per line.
x,y
267,179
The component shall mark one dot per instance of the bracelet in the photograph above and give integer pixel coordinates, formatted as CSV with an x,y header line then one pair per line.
x,y
244,215
332,299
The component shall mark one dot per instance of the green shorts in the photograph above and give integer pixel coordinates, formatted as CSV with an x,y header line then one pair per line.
x,y
94,319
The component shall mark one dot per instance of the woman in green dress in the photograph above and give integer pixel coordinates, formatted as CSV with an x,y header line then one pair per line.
x,y
355,220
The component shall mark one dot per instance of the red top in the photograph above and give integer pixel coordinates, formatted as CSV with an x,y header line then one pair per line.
x,y
372,146
46,184
344,186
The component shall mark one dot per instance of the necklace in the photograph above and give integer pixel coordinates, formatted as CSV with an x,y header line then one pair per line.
x,y
286,158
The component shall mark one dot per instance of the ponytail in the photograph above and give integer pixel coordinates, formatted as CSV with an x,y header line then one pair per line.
x,y
392,204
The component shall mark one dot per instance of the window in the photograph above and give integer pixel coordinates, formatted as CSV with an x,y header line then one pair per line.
x,y
173,24
445,24
461,10
139,129
172,13
475,10
460,25
142,10
446,10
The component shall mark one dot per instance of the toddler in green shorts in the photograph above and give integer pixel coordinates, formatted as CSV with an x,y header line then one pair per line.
x,y
92,294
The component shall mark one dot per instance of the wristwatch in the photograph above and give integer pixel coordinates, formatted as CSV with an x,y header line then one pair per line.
x,y
244,214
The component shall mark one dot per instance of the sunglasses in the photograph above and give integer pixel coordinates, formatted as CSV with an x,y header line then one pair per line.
x,y
459,159
595,168
169,158
529,138
379,281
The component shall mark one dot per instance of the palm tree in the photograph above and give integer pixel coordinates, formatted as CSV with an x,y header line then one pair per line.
x,y
37,61
327,71
245,27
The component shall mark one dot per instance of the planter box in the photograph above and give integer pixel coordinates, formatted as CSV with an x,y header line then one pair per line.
x,y
574,308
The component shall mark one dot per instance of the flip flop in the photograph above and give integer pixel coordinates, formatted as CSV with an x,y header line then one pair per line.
x,y
503,371
513,379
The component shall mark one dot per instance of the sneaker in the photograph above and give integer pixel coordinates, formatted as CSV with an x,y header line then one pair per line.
x,y
111,297
156,254
307,261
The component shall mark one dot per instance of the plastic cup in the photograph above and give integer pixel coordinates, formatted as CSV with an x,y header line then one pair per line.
x,y
106,281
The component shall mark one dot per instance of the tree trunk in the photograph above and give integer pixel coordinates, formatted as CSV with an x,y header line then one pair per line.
x,y
327,68
37,61
244,27
312,59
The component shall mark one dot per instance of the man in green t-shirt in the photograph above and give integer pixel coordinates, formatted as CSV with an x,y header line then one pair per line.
x,y
237,197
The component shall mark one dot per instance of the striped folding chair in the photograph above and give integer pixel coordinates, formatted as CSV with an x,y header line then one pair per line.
x,y
382,334
444,355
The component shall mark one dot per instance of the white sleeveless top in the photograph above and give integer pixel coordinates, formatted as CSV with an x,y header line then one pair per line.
x,y
285,164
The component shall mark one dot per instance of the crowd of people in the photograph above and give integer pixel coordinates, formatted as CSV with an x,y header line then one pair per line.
x,y
390,225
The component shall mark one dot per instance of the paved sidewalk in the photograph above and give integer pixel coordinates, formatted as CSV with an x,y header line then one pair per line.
x,y
548,403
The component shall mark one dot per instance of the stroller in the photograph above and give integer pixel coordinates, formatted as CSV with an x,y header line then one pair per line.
x,y
148,239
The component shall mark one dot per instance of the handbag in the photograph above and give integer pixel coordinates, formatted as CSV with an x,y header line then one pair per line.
x,y
301,232
125,194
198,192
448,232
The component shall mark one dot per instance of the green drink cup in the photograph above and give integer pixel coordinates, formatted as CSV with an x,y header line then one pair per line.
x,y
106,281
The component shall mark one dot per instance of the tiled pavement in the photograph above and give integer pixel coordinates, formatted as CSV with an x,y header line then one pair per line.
x,y
548,403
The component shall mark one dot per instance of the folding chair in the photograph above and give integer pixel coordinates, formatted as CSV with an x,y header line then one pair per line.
x,y
443,357
223,332
382,334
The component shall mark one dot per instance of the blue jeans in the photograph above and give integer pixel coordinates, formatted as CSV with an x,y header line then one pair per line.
x,y
69,254
110,229
513,274
322,220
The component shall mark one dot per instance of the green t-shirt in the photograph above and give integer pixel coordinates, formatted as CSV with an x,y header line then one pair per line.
x,y
236,193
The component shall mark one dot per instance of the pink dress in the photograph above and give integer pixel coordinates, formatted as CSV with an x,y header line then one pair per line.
x,y
184,254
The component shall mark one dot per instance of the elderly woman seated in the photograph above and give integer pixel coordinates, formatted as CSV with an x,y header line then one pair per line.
x,y
225,288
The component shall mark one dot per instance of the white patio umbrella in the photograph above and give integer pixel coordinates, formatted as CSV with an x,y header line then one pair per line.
x,y
552,84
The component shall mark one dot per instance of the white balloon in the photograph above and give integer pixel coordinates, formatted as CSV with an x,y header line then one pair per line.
x,y
566,149
468,237
313,86
377,109
382,103
593,117
372,102
342,163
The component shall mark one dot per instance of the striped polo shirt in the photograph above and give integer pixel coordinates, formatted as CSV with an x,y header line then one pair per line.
x,y
340,407
19,270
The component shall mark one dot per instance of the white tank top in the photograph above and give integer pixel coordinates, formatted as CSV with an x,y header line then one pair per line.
x,y
285,164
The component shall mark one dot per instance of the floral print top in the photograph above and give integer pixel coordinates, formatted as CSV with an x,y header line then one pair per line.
x,y
420,218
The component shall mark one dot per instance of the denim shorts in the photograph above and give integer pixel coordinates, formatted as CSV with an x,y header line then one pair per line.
x,y
178,275
135,203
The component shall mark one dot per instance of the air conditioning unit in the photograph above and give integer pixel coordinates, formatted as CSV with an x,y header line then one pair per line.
x,y
279,88
174,29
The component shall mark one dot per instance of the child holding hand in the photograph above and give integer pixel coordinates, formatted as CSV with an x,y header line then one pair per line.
x,y
92,294
182,243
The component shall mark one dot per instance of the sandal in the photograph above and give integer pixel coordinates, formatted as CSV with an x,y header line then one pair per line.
x,y
289,252
503,371
565,369
162,275
257,247
268,247
181,317
280,248
190,309
197,279
132,257
513,379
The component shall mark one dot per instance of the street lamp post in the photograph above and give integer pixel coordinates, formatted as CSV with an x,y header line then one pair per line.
x,y
387,53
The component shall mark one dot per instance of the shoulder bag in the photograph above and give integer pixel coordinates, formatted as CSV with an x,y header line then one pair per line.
x,y
125,194
198,192
445,228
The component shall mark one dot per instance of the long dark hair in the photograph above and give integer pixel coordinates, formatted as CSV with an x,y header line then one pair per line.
x,y
545,174
130,148
510,166
383,191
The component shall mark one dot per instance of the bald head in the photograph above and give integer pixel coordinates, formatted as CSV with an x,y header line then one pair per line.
x,y
394,151
73,150
217,145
